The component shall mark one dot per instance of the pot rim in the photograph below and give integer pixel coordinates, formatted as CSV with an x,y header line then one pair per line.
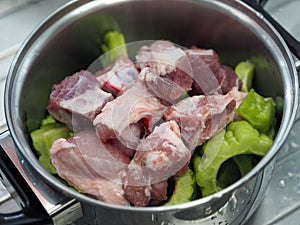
x,y
261,25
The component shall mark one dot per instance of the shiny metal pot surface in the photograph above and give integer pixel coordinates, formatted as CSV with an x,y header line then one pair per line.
x,y
69,40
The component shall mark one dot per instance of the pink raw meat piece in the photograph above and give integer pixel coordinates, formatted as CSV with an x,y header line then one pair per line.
x,y
200,117
118,76
77,100
158,157
92,167
130,116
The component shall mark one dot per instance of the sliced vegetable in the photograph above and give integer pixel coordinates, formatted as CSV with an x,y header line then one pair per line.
x,y
244,164
228,173
239,138
113,46
48,120
258,111
185,189
43,138
235,168
245,72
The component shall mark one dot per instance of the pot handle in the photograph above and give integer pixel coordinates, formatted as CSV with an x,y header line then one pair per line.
x,y
292,43
32,211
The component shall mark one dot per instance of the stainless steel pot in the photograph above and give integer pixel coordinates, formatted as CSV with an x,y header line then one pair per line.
x,y
69,40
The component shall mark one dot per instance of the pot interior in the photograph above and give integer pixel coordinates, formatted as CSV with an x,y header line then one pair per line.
x,y
70,40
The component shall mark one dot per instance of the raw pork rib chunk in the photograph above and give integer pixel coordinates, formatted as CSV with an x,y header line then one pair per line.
x,y
77,100
210,76
129,116
90,166
200,116
117,77
163,70
158,157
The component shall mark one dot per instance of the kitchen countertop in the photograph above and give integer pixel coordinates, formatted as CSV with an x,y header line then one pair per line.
x,y
281,204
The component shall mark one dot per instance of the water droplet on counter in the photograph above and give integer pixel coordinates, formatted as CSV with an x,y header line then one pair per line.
x,y
281,183
287,198
297,188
